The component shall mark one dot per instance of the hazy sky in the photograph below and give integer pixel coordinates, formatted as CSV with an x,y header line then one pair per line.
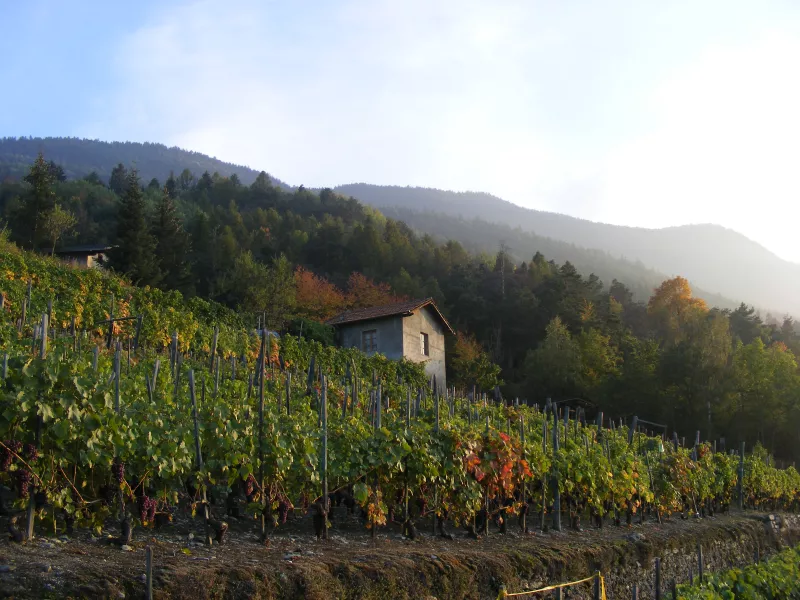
x,y
637,113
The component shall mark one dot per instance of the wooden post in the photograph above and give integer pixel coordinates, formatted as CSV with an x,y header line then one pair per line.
x,y
632,430
544,477
700,562
378,407
149,573
37,440
198,453
635,592
156,366
213,350
597,590
556,492
740,482
658,579
674,590
324,455
523,521
261,438
436,410
288,393
117,374
216,380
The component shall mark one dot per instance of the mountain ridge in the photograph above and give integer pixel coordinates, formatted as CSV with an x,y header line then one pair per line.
x,y
649,254
713,257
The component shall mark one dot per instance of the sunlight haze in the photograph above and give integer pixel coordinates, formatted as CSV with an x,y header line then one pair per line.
x,y
623,112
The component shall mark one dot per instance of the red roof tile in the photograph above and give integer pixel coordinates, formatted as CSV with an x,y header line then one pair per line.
x,y
388,310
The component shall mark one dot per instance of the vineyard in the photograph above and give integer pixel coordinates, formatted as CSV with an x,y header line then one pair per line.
x,y
126,409
775,578
129,403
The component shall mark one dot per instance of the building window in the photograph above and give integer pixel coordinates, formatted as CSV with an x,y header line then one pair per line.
x,y
369,341
424,348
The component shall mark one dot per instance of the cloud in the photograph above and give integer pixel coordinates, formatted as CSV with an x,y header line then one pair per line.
x,y
603,112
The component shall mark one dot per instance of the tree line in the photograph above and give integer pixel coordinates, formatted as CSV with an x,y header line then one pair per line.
x,y
535,328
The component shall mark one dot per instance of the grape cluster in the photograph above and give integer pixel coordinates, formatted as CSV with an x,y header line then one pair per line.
x,y
249,485
147,508
283,510
118,471
31,452
23,482
7,457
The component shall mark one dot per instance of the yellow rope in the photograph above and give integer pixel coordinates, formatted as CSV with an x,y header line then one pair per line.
x,y
505,594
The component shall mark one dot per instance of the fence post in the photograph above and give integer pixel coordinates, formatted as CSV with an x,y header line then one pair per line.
x,y
597,586
635,592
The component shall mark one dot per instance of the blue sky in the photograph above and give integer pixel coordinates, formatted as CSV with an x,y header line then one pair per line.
x,y
637,113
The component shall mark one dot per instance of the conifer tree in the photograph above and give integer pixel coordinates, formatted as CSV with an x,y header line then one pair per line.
x,y
172,245
40,200
135,253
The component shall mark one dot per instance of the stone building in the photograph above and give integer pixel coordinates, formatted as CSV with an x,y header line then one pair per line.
x,y
414,330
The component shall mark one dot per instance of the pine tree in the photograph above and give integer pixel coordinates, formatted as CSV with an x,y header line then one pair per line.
x,y
119,178
41,199
135,253
172,245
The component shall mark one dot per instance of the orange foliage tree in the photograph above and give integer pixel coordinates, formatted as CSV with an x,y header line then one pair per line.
x,y
674,309
362,292
316,297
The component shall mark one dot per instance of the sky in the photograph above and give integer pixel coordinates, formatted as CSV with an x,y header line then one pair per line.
x,y
649,114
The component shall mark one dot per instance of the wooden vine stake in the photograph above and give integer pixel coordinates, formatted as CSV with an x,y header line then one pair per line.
x,y
36,442
199,455
544,477
658,579
556,492
324,453
261,436
740,482
149,573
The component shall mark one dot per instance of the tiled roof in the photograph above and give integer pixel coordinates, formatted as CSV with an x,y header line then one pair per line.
x,y
387,310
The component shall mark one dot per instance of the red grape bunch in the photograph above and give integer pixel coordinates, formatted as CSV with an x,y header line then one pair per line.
x,y
23,482
147,508
31,452
7,457
283,510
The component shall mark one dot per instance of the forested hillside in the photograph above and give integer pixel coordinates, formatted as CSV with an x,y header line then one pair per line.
x,y
289,254
479,235
716,259
78,158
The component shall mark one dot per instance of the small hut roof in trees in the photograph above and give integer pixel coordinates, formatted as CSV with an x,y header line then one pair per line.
x,y
406,308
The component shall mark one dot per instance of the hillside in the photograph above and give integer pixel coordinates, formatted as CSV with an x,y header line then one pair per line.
x,y
714,258
541,330
79,157
587,245
479,235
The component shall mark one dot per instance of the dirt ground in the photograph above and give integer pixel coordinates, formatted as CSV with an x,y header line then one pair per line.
x,y
352,565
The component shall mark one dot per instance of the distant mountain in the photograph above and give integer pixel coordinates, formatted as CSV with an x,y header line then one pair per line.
x,y
478,235
710,256
723,266
80,157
